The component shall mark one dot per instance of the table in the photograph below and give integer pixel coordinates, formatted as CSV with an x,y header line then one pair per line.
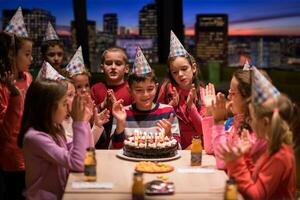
x,y
110,168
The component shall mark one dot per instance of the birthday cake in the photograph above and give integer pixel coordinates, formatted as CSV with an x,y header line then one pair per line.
x,y
150,145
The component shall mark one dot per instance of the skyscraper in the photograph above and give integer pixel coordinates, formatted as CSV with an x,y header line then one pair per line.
x,y
36,21
91,27
211,33
148,30
110,23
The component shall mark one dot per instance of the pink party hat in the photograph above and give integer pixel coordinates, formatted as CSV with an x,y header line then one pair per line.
x,y
176,48
16,25
262,88
49,73
50,33
76,64
141,65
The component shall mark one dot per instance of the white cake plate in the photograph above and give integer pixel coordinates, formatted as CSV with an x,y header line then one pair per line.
x,y
122,156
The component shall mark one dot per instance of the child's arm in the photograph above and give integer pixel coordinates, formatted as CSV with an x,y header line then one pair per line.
x,y
119,122
99,119
11,111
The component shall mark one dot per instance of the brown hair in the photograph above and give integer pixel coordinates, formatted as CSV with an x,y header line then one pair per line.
x,y
280,111
196,77
115,49
40,104
141,78
50,43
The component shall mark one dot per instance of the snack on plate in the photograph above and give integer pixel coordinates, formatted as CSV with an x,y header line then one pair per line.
x,y
152,167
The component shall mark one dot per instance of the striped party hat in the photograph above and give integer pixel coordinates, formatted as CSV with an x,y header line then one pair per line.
x,y
49,73
262,88
76,64
141,65
16,25
50,33
176,48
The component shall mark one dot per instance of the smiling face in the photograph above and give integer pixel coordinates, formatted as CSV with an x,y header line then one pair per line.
x,y
24,56
143,93
182,72
114,67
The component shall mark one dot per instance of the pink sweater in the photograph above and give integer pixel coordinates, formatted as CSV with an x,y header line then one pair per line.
x,y
48,164
190,120
216,134
272,177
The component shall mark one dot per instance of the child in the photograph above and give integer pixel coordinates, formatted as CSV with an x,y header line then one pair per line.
x,y
52,49
114,65
274,174
15,59
48,157
79,76
144,114
183,91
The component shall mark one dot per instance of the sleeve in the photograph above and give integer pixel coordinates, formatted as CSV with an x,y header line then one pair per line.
x,y
195,118
207,124
175,129
161,94
96,133
43,146
268,177
116,140
11,114
219,136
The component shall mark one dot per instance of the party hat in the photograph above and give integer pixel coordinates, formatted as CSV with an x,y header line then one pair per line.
x,y
247,66
16,25
50,33
49,73
141,65
176,48
76,64
262,88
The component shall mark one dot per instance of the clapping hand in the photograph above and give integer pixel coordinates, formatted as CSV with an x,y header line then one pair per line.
x,y
219,111
174,97
209,97
101,118
230,152
191,97
166,124
81,109
119,113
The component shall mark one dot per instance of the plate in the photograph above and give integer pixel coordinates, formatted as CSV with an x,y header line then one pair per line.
x,y
122,156
158,187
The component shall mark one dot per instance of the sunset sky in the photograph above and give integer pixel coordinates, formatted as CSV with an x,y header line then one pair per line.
x,y
246,17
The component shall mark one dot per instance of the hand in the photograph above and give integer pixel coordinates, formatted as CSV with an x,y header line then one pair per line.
x,y
230,153
166,124
209,97
111,96
9,81
174,97
119,113
80,110
101,118
219,108
191,97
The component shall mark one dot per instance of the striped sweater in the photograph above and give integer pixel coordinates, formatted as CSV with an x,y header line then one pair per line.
x,y
145,121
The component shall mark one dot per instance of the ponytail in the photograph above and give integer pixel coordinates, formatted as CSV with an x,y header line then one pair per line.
x,y
280,132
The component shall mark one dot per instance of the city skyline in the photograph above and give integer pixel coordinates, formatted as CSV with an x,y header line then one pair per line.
x,y
264,17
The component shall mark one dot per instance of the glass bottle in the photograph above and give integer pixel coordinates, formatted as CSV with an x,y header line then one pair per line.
x,y
196,151
90,163
138,186
231,191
